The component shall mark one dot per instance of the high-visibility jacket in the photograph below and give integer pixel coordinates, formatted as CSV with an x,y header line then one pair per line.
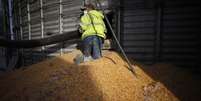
x,y
92,24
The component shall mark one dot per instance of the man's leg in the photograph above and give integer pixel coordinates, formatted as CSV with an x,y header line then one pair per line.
x,y
96,47
86,46
87,43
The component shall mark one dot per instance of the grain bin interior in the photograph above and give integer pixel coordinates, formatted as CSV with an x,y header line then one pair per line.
x,y
161,38
36,18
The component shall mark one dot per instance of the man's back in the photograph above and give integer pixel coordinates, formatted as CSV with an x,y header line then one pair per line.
x,y
92,24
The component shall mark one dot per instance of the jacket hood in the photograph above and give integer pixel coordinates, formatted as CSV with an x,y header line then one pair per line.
x,y
97,13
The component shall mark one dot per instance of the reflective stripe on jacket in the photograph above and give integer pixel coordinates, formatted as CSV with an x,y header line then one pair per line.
x,y
87,26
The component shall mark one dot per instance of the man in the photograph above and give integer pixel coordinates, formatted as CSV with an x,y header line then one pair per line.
x,y
93,32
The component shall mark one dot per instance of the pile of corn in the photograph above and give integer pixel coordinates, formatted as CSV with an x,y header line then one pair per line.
x,y
59,79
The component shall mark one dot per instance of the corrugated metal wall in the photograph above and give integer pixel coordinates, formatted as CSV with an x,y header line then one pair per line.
x,y
167,31
181,29
1,18
138,30
2,35
38,17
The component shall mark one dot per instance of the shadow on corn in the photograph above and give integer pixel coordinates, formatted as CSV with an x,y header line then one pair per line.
x,y
52,80
181,82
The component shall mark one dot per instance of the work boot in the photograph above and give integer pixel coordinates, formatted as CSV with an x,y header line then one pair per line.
x,y
79,59
87,58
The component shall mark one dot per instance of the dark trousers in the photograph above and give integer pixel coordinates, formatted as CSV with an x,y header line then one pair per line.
x,y
92,46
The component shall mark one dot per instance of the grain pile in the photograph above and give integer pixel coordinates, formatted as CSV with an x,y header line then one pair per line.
x,y
59,79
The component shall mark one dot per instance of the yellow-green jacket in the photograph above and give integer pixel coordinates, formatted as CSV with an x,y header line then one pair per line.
x,y
87,26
